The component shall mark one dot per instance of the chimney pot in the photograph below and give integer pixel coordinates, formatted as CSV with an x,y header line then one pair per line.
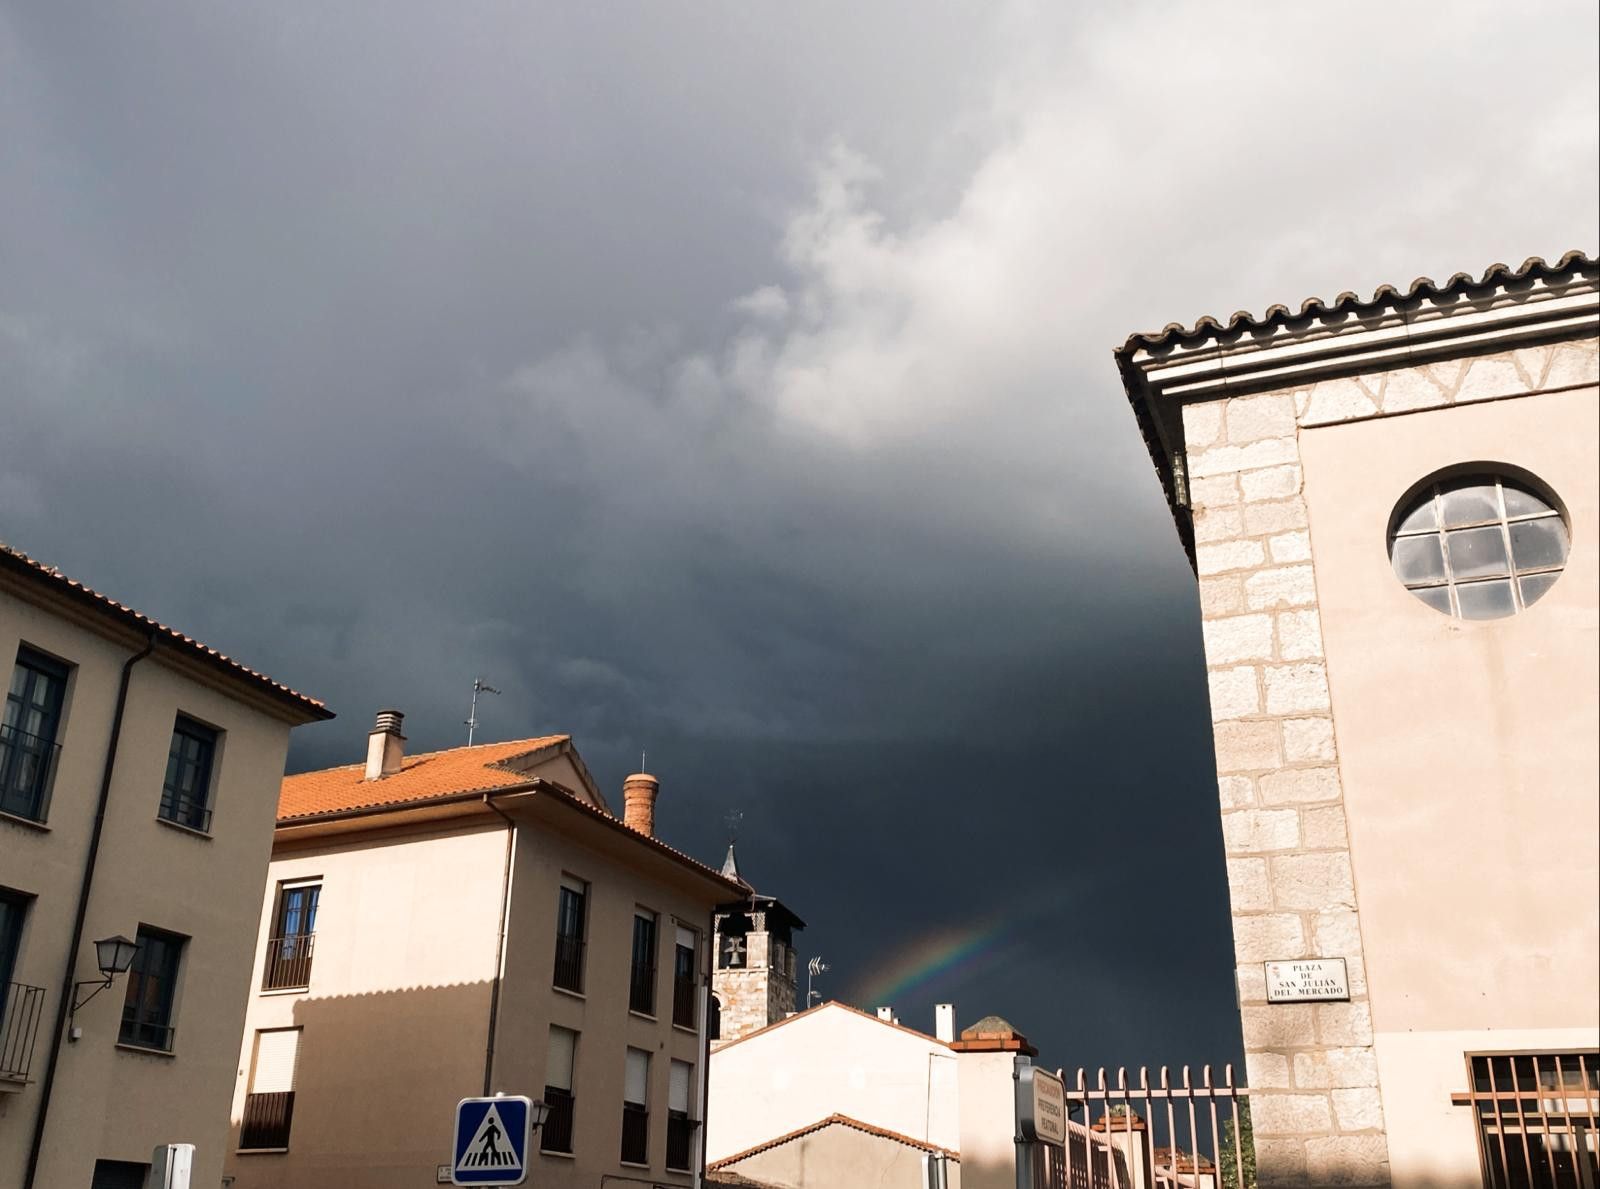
x,y
639,802
886,1014
386,746
944,1022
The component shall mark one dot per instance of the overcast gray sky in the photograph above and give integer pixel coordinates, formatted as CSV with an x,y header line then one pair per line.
x,y
733,381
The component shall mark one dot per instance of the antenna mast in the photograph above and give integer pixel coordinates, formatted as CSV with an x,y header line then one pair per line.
x,y
479,685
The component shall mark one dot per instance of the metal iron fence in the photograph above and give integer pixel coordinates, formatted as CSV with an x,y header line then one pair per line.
x,y
635,1134
267,1119
569,963
680,1140
20,1009
1161,1132
1538,1118
26,764
288,962
556,1134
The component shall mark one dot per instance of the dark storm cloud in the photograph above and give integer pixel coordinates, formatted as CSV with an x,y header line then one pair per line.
x,y
735,384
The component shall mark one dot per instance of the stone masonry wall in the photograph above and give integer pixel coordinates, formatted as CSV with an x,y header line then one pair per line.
x,y
1315,1102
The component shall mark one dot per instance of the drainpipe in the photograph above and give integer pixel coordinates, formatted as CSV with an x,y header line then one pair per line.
x,y
63,1008
705,1050
500,946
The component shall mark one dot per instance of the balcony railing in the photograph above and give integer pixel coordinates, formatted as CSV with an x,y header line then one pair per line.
x,y
642,990
569,963
196,815
556,1135
20,1009
145,1034
635,1134
680,1141
288,962
26,765
267,1118
683,1002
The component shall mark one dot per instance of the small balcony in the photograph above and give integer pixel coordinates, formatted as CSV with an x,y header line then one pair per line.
x,y
680,1141
569,963
642,990
635,1134
27,764
21,1007
266,1122
556,1135
683,1002
288,964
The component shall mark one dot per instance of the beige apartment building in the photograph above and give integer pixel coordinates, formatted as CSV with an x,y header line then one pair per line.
x,y
1392,509
472,921
139,775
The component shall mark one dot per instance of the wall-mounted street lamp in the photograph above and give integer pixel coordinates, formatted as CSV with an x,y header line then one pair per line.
x,y
538,1112
114,955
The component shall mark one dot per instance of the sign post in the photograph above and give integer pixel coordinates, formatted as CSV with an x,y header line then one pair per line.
x,y
491,1145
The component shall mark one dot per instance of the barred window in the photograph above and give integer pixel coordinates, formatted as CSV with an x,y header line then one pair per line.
x,y
1480,546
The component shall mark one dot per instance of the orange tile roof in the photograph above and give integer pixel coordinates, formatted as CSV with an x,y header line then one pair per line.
x,y
52,579
423,777
831,1121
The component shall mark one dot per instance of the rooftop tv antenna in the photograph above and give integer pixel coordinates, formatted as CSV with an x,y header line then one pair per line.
x,y
813,968
479,686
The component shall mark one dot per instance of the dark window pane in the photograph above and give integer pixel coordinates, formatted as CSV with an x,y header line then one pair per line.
x,y
1520,502
1534,586
1422,517
1437,597
1485,600
1418,559
1477,552
152,983
1470,501
1536,544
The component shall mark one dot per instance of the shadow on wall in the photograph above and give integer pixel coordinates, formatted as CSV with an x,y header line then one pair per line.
x,y
376,1086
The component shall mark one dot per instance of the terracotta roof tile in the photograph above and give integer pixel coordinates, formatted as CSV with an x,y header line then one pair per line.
x,y
921,1145
51,578
421,778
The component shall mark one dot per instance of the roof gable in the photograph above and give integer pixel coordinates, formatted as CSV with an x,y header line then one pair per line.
x,y
832,1010
834,1120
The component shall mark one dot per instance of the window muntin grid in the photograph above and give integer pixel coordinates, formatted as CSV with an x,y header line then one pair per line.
x,y
1480,546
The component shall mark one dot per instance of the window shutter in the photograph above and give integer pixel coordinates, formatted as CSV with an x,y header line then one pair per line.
x,y
686,938
277,1054
678,1088
558,1065
636,1078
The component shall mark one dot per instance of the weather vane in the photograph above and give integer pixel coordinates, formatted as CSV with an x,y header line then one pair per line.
x,y
732,820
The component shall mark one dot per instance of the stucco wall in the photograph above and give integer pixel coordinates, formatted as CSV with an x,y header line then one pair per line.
x,y
836,1156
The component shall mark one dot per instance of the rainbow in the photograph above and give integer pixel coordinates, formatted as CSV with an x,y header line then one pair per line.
x,y
933,956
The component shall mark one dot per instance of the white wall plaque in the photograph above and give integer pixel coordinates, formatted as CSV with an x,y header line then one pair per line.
x,y
1041,1105
1307,980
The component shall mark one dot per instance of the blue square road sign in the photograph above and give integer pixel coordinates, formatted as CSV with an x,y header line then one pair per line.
x,y
491,1141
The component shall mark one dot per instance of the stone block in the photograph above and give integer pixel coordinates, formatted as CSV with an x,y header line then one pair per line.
x,y
1306,739
1299,635
1252,983
1296,689
1273,483
1223,460
1280,1163
1290,1114
1246,746
1328,1069
1265,1070
1218,524
1337,934
1228,555
1216,492
1237,638
1574,363
1234,693
1409,388
1324,828
1278,1026
1340,1160
1285,547
1300,786
1358,1110
1277,517
1341,399
1202,424
1322,880
1252,418
1221,595
1255,831
1248,887
1490,376
1344,1023
1236,792
1267,937
1285,586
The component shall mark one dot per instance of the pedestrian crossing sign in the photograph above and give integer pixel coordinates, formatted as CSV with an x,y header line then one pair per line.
x,y
491,1141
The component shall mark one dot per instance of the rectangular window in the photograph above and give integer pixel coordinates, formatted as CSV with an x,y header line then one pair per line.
x,y
21,1006
1535,1117
635,1108
571,909
680,1128
186,792
269,1107
556,1135
28,747
152,990
683,978
294,934
642,982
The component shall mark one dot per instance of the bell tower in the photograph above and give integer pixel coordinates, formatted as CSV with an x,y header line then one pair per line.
x,y
753,978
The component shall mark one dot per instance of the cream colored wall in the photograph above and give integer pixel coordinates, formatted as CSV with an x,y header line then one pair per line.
x,y
1470,759
837,1156
111,1102
829,1061
988,1091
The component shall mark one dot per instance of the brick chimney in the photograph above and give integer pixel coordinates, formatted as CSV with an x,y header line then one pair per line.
x,y
386,746
639,802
